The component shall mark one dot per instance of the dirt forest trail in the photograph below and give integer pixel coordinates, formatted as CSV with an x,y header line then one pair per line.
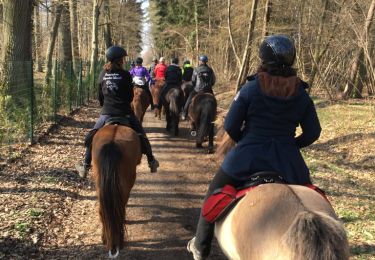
x,y
162,211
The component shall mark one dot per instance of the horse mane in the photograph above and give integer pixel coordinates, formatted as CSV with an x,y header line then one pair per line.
x,y
226,143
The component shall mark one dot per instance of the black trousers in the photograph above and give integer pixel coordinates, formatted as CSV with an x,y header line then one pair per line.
x,y
135,125
205,230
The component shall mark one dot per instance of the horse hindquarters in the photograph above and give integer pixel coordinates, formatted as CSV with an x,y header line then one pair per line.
x,y
274,222
207,115
116,153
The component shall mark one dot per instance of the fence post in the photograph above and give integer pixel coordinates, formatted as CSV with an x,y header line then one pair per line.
x,y
70,79
88,83
31,134
80,84
55,94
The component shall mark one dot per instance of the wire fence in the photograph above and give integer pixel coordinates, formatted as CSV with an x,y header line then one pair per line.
x,y
30,102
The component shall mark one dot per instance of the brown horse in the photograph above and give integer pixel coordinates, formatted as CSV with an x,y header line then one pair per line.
x,y
202,114
116,152
140,103
155,91
278,221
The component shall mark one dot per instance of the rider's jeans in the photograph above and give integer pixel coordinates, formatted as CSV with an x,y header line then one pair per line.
x,y
205,230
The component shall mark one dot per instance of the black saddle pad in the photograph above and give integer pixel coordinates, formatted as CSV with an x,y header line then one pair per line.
x,y
262,178
124,121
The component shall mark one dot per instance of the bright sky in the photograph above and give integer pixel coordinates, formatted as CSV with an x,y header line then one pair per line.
x,y
146,28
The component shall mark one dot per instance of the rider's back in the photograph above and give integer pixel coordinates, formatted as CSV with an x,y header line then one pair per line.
x,y
115,92
267,140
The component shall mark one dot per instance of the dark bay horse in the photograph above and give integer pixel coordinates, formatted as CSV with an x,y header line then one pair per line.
x,y
140,103
202,114
116,152
155,91
174,100
187,88
279,221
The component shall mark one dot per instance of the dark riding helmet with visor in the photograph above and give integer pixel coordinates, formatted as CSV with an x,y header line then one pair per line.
x,y
139,61
203,58
115,53
277,51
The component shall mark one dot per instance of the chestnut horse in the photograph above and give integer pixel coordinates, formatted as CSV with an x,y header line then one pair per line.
x,y
202,114
116,152
155,91
279,221
140,103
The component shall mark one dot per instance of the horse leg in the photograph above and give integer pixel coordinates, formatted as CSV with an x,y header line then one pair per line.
x,y
211,139
168,118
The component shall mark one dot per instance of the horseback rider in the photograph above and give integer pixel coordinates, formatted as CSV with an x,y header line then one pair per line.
x,y
203,80
262,120
173,79
187,71
160,69
115,95
141,77
151,70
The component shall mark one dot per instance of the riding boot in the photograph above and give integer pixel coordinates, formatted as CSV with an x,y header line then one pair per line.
x,y
86,165
146,149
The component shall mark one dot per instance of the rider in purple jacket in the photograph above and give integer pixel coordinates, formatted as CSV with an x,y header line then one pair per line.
x,y
141,78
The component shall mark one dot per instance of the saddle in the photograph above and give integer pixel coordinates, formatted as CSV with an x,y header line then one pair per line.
x,y
222,200
124,121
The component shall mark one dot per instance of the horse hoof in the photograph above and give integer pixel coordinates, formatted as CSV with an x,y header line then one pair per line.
x,y
210,150
198,146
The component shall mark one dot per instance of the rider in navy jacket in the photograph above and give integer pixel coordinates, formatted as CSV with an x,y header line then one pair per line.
x,y
262,120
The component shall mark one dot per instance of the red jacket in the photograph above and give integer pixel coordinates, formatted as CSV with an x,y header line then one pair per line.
x,y
160,70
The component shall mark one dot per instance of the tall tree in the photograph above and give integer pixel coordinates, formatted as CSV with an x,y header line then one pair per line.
x,y
17,42
107,28
74,33
94,40
52,40
349,88
66,56
37,39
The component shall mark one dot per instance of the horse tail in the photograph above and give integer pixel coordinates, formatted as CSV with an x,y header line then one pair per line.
x,y
174,105
206,118
314,235
112,206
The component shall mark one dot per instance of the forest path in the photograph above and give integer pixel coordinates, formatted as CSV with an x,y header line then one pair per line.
x,y
161,215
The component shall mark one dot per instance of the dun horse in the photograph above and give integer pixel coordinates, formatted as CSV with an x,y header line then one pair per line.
x,y
155,91
140,103
173,103
279,221
202,114
116,154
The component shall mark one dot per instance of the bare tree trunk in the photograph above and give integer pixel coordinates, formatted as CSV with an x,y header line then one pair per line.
x,y
348,91
246,55
74,33
17,42
94,40
66,43
196,26
38,40
231,35
266,18
52,41
107,28
317,50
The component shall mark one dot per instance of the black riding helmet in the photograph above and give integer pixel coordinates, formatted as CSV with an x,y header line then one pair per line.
x,y
277,50
203,58
186,62
139,61
115,52
175,61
